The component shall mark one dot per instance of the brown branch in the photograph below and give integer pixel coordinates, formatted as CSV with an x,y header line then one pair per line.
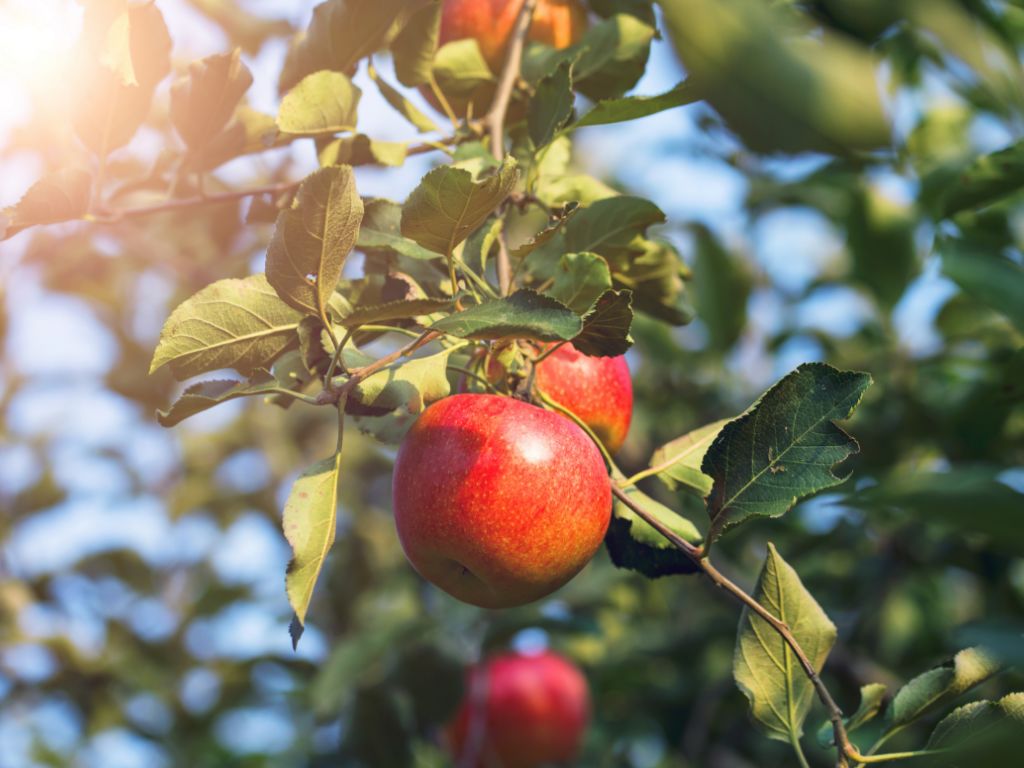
x,y
359,374
699,558
494,120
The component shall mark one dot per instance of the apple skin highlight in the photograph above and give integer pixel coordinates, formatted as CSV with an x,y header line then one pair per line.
x,y
499,502
535,710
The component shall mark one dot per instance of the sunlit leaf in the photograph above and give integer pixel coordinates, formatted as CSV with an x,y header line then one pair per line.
x,y
234,323
321,103
765,667
206,394
678,462
310,518
872,701
381,231
312,240
785,447
414,47
63,195
980,733
636,107
402,105
580,279
939,686
361,150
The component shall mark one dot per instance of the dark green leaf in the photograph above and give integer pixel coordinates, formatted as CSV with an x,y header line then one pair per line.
x,y
609,225
204,100
552,105
939,686
723,285
981,733
523,315
448,204
59,196
235,323
580,279
984,181
414,47
313,239
765,668
636,107
988,276
606,326
381,231
634,544
785,447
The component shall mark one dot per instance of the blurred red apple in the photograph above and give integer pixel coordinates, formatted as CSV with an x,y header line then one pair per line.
x,y
521,711
498,502
597,389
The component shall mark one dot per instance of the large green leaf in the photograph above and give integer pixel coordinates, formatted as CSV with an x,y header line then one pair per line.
x,y
986,180
324,102
341,33
987,275
580,279
981,733
606,326
723,283
235,323
765,668
523,315
941,685
780,92
448,204
310,518
636,107
608,225
678,462
206,394
784,447
634,544
312,240
361,150
204,100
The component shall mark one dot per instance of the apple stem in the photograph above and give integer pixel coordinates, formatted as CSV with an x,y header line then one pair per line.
x,y
494,120
699,557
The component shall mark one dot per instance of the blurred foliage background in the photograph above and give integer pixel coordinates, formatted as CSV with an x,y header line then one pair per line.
x,y
142,611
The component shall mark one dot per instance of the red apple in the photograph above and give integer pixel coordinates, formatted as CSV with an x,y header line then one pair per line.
x,y
521,711
597,389
498,502
558,23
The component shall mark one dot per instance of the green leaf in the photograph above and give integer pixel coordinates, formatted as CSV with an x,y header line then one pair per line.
x,y
606,326
387,403
632,543
872,701
636,107
723,285
607,226
58,196
310,519
395,310
249,132
206,394
784,447
880,233
980,733
462,74
381,231
552,105
361,150
678,462
986,180
765,668
520,252
312,240
414,47
940,685
780,92
448,205
523,315
612,56
204,100
234,323
580,279
402,105
940,498
987,275
324,102
341,33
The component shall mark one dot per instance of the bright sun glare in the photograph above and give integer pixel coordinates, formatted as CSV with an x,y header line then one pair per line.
x,y
36,41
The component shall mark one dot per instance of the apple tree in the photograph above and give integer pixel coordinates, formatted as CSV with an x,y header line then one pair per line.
x,y
488,336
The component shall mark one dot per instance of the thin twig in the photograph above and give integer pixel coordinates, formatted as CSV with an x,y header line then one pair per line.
x,y
359,374
494,120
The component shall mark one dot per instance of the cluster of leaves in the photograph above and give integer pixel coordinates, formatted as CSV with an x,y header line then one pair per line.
x,y
798,77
